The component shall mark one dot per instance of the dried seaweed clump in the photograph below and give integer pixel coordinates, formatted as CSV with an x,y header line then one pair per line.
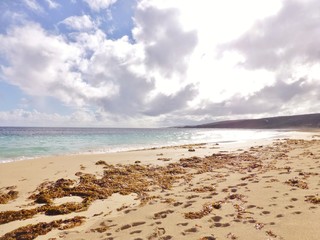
x,y
313,199
295,182
32,231
122,179
6,197
204,189
9,216
101,162
207,238
240,162
206,209
235,196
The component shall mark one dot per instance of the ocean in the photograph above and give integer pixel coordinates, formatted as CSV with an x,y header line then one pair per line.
x,y
19,143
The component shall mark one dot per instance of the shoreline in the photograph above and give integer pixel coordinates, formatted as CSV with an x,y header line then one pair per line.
x,y
176,210
13,152
292,132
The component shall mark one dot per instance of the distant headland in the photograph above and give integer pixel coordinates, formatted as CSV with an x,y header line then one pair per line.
x,y
281,122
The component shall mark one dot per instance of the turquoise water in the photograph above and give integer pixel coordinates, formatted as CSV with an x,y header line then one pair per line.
x,y
18,143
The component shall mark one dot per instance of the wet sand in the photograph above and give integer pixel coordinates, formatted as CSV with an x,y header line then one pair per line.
x,y
254,190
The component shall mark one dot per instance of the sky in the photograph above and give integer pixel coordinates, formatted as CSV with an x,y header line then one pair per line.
x,y
156,63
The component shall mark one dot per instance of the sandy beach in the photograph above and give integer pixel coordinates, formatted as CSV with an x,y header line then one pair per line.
x,y
267,189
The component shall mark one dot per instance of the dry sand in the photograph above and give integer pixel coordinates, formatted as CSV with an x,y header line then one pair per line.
x,y
254,190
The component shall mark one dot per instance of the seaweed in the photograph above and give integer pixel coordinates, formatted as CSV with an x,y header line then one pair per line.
x,y
135,178
206,209
295,182
312,199
9,216
9,196
204,189
30,231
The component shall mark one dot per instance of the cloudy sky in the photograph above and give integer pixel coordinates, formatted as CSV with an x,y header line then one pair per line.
x,y
153,63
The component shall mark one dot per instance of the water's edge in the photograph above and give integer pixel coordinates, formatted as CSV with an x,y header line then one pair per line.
x,y
21,143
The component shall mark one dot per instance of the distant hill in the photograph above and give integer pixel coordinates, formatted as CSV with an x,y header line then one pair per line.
x,y
283,122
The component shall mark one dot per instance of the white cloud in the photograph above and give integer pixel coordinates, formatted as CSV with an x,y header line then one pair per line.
x,y
80,23
286,39
167,45
187,59
97,5
44,64
32,4
52,4
88,69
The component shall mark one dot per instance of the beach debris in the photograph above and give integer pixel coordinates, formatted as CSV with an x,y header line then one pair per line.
x,y
164,159
157,232
30,231
101,162
313,199
271,234
232,236
258,226
203,189
295,182
7,197
101,229
191,150
235,196
206,209
144,180
306,175
9,216
288,168
208,238
50,210
240,211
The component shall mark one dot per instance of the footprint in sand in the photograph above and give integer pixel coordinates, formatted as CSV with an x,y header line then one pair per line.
x,y
251,206
124,227
242,184
216,218
188,204
156,223
272,205
190,230
297,213
208,238
177,204
192,196
157,233
136,232
137,224
129,210
182,224
220,225
162,214
289,206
